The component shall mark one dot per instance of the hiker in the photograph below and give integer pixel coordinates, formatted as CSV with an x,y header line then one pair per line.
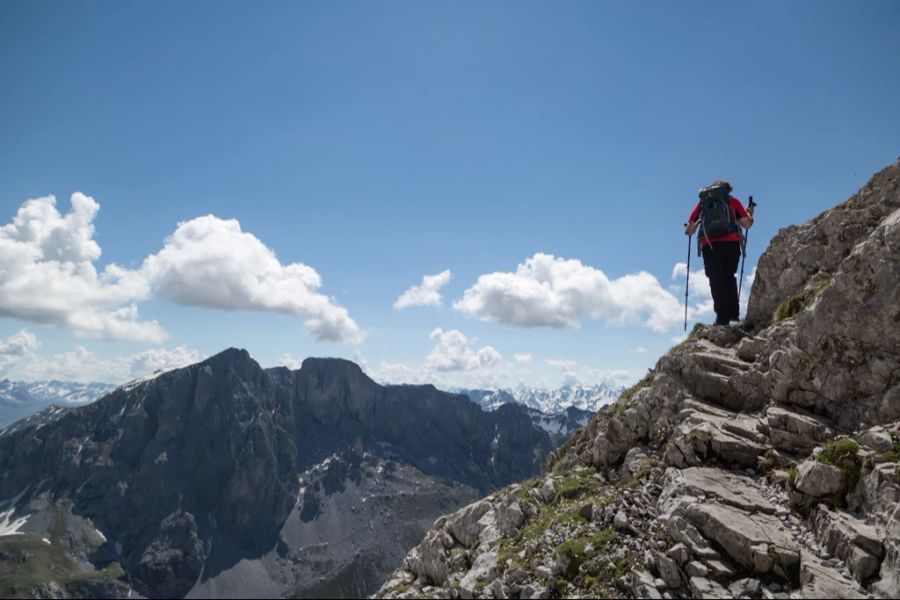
x,y
720,216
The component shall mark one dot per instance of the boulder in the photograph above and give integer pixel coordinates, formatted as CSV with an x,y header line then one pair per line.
x,y
482,572
849,539
818,479
464,525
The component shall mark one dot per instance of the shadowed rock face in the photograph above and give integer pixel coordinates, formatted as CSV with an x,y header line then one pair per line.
x,y
199,468
755,461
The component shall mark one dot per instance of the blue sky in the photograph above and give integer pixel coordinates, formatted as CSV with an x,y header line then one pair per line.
x,y
379,142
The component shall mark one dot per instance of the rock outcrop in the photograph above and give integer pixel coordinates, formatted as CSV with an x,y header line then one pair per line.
x,y
758,461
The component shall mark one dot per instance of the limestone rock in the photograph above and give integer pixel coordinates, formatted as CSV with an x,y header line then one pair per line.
x,y
850,540
738,532
728,488
464,525
818,479
820,581
795,432
483,570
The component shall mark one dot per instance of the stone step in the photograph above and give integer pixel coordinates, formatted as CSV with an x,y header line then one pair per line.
x,y
755,541
707,433
795,432
722,486
716,374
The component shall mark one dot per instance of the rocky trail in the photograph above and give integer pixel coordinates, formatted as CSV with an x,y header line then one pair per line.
x,y
758,461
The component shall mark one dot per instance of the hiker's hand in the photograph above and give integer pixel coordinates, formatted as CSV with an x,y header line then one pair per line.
x,y
690,228
751,209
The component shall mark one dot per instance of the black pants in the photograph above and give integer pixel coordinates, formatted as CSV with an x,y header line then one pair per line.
x,y
720,263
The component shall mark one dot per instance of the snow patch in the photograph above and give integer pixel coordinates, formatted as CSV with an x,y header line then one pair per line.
x,y
8,526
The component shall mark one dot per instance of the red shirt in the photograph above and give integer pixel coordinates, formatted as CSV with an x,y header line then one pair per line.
x,y
738,209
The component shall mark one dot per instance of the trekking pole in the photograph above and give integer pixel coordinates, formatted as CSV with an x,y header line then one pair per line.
x,y
688,280
744,252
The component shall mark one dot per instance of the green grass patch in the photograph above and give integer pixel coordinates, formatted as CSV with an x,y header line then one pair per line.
x,y
627,399
34,562
601,583
565,513
790,307
525,487
573,485
842,453
892,455
837,451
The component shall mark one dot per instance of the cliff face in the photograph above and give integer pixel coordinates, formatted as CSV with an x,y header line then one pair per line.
x,y
759,461
224,478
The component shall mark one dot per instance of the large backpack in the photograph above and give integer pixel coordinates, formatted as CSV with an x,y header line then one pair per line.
x,y
717,218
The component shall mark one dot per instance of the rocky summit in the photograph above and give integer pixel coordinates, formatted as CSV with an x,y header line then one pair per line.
x,y
224,479
758,461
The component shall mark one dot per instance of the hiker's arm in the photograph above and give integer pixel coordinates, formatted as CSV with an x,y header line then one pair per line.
x,y
747,222
691,227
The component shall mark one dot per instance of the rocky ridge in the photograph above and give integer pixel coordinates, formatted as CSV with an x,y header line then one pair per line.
x,y
758,461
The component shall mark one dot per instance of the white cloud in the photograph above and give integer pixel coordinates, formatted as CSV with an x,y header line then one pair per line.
x,y
639,349
588,376
425,294
452,353
523,358
286,360
700,302
210,262
16,348
556,292
454,362
564,363
83,365
47,275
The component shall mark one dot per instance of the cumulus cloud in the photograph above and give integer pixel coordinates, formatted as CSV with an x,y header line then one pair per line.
x,y
454,362
15,348
85,366
549,291
425,294
453,353
210,262
639,349
524,358
292,363
47,275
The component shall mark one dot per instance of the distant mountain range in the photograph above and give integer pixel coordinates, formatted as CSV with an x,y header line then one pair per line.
x,y
548,401
20,399
559,412
224,479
